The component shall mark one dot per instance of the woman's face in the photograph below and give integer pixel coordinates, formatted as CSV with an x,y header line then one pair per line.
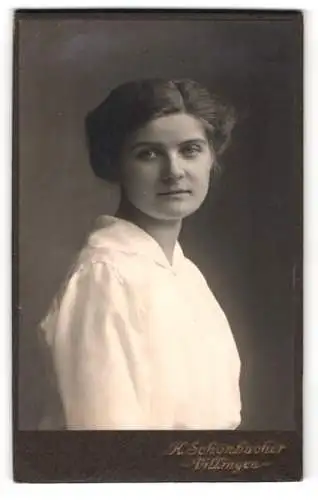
x,y
165,167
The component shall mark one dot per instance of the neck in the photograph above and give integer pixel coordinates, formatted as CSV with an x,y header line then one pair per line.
x,y
165,232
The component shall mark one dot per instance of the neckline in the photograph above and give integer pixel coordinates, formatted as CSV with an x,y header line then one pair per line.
x,y
143,242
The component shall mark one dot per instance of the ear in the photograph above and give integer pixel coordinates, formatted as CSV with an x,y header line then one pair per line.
x,y
216,170
214,161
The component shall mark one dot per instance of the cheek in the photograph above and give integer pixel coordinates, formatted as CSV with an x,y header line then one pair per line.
x,y
201,172
138,178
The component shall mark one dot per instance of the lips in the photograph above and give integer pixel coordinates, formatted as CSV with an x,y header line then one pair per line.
x,y
174,191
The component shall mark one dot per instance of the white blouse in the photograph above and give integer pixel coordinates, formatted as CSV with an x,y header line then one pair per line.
x,y
138,343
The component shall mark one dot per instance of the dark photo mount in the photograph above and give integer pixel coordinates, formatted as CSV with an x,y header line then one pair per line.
x,y
247,239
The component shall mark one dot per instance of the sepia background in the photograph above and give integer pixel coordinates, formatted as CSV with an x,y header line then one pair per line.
x,y
244,238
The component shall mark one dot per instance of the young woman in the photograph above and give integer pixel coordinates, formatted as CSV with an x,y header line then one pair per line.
x,y
137,338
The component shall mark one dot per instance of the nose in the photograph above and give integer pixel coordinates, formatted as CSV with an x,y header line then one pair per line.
x,y
173,168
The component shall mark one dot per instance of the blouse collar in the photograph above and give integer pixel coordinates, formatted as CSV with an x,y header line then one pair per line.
x,y
119,234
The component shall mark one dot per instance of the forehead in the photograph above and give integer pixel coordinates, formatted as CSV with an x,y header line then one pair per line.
x,y
170,129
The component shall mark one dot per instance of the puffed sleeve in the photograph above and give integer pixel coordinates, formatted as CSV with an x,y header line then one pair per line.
x,y
96,335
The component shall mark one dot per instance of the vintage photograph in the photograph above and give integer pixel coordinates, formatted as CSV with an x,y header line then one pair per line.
x,y
157,184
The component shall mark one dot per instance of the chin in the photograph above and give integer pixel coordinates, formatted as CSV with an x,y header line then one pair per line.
x,y
170,212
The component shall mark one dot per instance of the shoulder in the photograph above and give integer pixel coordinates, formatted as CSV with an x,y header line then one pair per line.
x,y
118,246
100,272
201,288
193,273
115,264
95,286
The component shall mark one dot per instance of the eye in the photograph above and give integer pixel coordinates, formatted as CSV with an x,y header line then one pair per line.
x,y
147,154
191,150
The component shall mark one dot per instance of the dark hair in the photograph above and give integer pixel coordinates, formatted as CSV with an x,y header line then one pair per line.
x,y
133,104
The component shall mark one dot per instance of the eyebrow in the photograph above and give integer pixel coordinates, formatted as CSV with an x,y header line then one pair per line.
x,y
159,144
